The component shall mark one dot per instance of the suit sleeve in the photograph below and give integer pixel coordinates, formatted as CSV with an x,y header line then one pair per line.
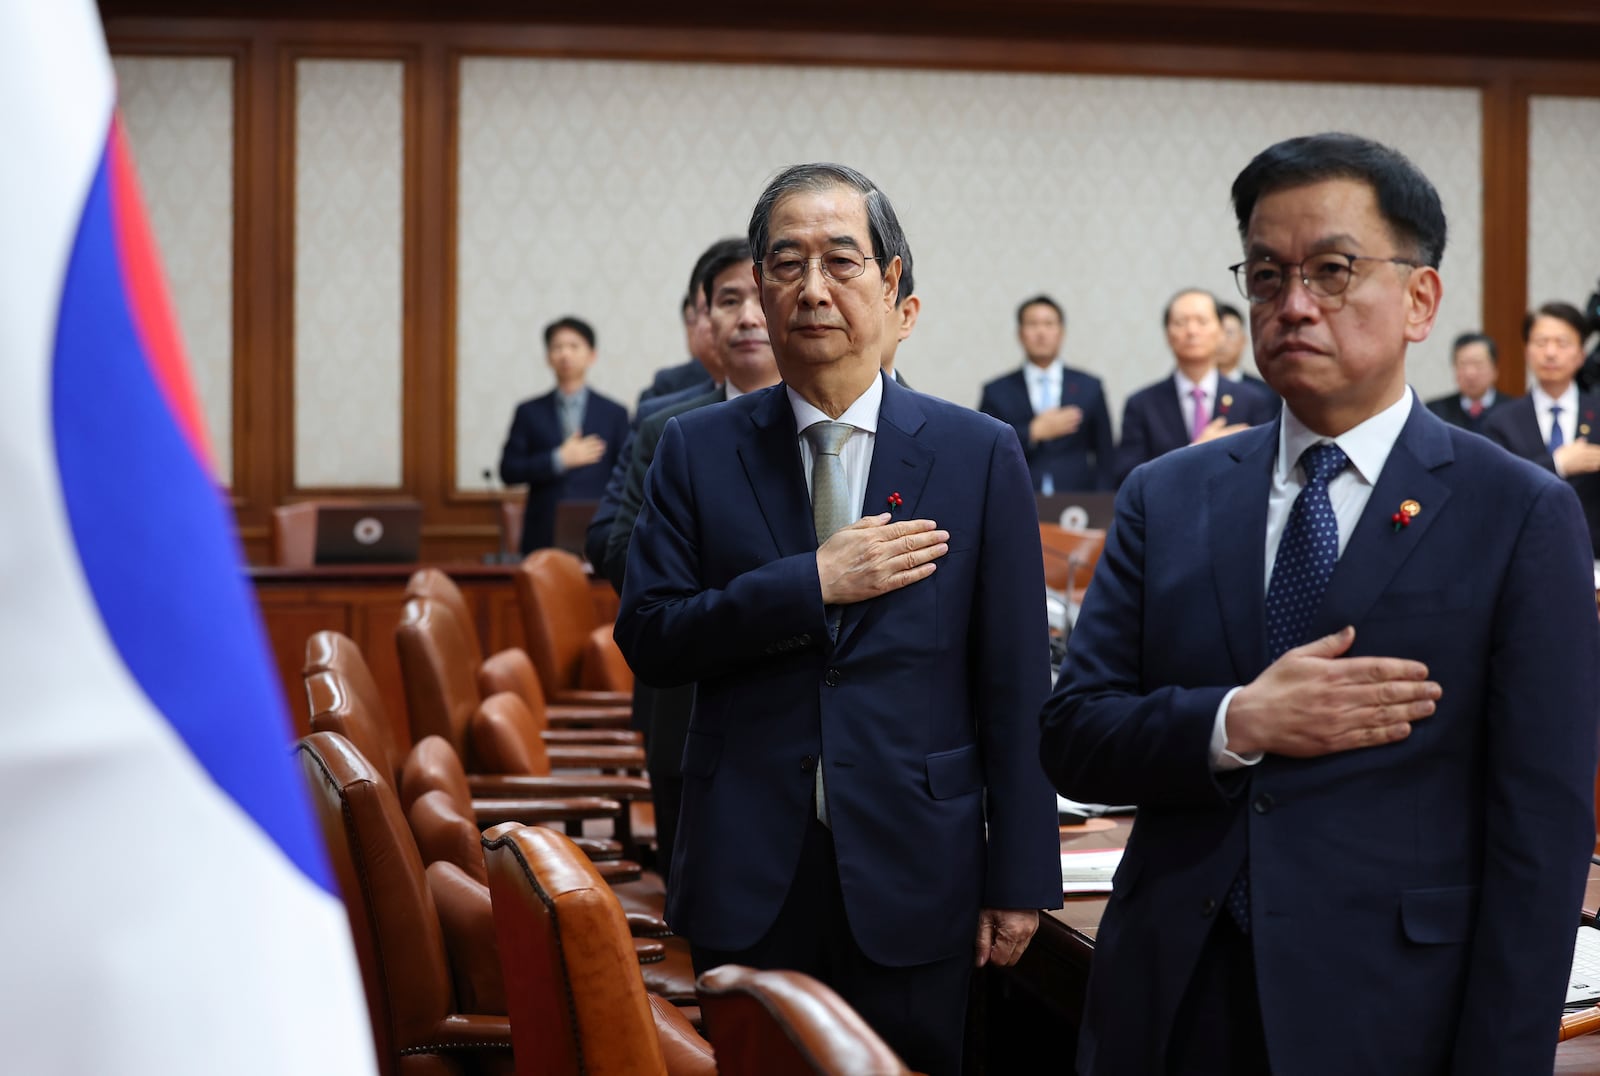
x,y
614,559
1105,451
1544,697
1104,739
527,455
605,514
994,409
672,628
1009,649
1135,446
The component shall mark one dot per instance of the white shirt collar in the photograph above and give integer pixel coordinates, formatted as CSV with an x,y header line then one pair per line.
x,y
1036,373
1367,445
1207,384
1567,401
862,414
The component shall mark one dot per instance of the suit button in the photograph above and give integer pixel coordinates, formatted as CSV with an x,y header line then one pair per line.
x,y
1264,803
807,763
1208,908
831,678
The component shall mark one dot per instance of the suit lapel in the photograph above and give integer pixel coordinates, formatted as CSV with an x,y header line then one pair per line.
x,y
770,455
1588,428
1377,550
1236,529
900,464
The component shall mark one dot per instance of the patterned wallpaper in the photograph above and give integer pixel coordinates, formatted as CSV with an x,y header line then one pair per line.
x,y
589,187
178,113
348,284
1563,212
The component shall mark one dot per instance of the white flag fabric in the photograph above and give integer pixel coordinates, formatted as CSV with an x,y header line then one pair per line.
x,y
167,905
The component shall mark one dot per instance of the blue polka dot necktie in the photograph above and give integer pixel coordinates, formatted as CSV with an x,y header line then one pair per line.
x,y
1306,556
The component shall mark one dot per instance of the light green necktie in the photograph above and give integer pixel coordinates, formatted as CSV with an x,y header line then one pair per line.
x,y
830,510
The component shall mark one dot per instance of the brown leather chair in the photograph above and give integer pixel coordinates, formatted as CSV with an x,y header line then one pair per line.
x,y
419,1027
783,1023
559,621
1070,557
442,691
513,671
294,535
577,999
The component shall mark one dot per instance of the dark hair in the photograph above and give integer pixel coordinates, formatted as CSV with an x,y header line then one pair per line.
x,y
1407,200
888,238
577,325
716,259
1041,300
1561,312
1228,310
1468,339
1166,311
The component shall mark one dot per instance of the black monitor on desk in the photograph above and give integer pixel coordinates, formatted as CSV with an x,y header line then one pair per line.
x,y
1096,507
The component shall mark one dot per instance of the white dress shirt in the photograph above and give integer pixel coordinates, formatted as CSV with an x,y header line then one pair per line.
x,y
1568,402
856,455
1185,389
1044,385
1367,446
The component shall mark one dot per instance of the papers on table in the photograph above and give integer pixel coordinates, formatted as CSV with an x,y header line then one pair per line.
x,y
1089,871
1071,812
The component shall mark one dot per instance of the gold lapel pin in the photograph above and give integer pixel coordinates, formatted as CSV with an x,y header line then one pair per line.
x,y
1584,429
1402,518
1227,401
1410,508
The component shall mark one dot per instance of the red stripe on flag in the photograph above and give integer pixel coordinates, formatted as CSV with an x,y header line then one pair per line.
x,y
148,300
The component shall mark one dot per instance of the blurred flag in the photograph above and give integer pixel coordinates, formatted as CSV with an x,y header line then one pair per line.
x,y
167,906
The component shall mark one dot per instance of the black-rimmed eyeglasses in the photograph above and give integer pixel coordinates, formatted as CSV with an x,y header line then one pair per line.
x,y
1261,280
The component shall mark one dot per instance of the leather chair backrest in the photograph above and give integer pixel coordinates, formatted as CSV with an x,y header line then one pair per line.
x,y
398,939
439,672
337,653
435,584
434,766
294,534
557,615
445,835
573,987
603,666
467,918
506,737
783,1023
512,670
336,708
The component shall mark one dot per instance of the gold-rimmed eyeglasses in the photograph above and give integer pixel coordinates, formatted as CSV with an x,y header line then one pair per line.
x,y
786,267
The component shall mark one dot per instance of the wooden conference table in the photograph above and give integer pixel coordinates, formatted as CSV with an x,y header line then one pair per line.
x,y
1054,971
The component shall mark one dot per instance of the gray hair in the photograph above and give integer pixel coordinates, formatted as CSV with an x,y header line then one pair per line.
x,y
888,239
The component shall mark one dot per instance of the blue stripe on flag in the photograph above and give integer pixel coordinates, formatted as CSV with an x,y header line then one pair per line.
x,y
159,552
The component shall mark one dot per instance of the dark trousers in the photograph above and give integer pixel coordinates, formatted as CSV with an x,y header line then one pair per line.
x,y
1217,1028
919,1011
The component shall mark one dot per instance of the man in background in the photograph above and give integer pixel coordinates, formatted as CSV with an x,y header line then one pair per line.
x,y
1196,403
562,444
1476,363
1059,413
692,374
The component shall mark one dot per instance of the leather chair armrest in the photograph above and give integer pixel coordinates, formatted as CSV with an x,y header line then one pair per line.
x,y
595,757
531,812
469,1031
641,925
578,697
522,786
683,1048
618,717
618,871
595,737
598,849
649,950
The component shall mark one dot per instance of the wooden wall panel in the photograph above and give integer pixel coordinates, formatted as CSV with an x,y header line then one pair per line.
x,y
1543,46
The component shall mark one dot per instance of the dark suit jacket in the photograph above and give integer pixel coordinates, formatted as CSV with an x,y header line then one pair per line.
x,y
1515,428
526,457
1083,459
1152,420
1413,904
928,701
671,379
1449,408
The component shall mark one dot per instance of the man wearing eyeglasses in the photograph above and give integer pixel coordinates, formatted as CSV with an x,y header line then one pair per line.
x,y
850,574
1364,751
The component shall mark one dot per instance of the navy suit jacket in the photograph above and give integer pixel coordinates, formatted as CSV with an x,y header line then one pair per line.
x,y
1449,408
1152,420
927,702
1083,459
526,457
674,379
1413,904
1515,428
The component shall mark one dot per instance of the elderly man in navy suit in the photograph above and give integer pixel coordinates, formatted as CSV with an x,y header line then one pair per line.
x,y
850,574
1196,404
1348,666
1059,413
